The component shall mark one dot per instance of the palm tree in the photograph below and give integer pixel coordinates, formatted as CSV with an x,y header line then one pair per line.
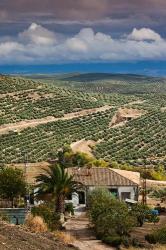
x,y
58,184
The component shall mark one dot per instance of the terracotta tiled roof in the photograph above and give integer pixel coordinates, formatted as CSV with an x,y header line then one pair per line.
x,y
100,177
133,176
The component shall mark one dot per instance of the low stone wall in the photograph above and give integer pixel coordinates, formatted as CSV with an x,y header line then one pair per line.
x,y
15,215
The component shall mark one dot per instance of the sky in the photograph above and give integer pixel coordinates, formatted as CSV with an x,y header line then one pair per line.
x,y
124,35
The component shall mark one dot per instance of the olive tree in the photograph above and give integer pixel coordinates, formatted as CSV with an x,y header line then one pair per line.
x,y
12,184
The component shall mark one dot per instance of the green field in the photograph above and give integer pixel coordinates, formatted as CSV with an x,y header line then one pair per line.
x,y
139,141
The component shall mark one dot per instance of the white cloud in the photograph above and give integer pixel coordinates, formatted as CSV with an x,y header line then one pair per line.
x,y
38,34
7,48
37,45
144,34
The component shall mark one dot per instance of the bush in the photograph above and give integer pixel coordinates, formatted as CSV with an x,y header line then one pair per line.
x,y
36,224
66,238
4,217
158,236
109,216
135,243
12,184
97,201
114,241
153,218
48,216
69,208
151,238
140,212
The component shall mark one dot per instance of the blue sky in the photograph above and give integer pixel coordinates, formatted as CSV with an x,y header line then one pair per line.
x,y
61,36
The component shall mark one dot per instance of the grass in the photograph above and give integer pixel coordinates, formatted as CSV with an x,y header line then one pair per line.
x,y
66,238
36,224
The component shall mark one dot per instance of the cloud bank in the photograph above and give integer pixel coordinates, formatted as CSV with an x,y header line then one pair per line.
x,y
38,45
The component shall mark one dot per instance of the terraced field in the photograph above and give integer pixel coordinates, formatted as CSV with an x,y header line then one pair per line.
x,y
126,128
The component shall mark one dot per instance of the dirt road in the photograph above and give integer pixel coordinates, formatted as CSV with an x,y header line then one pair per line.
x,y
85,237
33,123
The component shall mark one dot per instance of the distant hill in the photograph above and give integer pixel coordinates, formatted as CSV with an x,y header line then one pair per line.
x,y
90,77
107,83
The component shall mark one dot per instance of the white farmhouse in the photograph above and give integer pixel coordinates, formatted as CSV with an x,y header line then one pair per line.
x,y
121,183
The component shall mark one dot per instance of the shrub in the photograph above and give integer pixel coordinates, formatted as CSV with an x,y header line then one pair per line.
x,y
98,199
4,217
151,238
12,184
48,216
114,241
69,208
36,224
161,235
135,242
158,236
140,212
66,238
153,218
126,241
109,216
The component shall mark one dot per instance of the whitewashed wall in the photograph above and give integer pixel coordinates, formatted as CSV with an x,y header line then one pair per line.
x,y
127,189
132,190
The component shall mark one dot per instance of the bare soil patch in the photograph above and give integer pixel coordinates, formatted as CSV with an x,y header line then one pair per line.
x,y
123,115
163,109
83,146
135,102
16,127
35,96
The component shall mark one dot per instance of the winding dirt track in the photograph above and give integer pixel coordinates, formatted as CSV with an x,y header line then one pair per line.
x,y
4,129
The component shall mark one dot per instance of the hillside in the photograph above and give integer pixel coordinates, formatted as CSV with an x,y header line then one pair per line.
x,y
125,117
14,237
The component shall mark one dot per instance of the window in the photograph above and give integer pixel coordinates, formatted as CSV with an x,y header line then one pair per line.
x,y
125,195
114,192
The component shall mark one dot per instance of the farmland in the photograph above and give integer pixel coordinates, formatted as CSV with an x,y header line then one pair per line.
x,y
137,105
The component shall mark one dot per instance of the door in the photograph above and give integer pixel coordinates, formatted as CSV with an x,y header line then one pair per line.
x,y
81,196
